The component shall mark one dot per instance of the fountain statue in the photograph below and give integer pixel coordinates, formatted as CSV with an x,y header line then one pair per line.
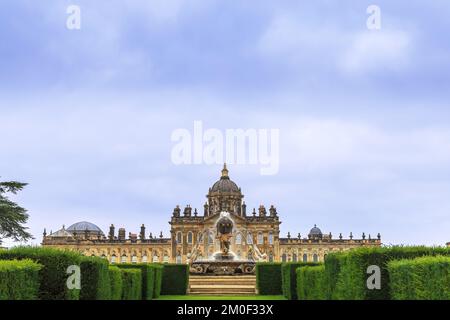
x,y
224,261
224,232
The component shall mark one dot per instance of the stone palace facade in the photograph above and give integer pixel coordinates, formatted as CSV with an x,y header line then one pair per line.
x,y
194,237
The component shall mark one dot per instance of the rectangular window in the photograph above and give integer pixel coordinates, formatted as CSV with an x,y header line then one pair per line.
x,y
260,238
270,238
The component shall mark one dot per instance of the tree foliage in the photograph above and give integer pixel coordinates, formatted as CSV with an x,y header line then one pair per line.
x,y
12,216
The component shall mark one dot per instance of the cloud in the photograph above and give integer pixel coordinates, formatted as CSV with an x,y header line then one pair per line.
x,y
377,51
295,42
326,46
326,144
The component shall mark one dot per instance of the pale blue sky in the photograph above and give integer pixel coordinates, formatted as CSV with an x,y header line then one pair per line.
x,y
87,115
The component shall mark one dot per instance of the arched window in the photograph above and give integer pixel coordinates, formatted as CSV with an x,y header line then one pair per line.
x,y
283,257
178,258
134,259
155,257
179,237
238,238
144,258
315,258
260,238
305,257
210,238
270,237
189,237
166,258
113,259
249,238
294,257
123,259
103,256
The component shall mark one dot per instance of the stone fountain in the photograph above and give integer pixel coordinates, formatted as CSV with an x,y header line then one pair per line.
x,y
223,262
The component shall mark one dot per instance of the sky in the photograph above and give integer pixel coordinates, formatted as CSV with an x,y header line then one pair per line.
x,y
87,115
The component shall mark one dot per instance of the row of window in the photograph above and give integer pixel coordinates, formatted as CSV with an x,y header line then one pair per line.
x,y
238,239
315,257
134,259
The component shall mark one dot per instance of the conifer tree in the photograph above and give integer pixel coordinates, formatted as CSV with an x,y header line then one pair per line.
x,y
12,216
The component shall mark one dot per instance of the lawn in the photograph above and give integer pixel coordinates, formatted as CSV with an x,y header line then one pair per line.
x,y
194,297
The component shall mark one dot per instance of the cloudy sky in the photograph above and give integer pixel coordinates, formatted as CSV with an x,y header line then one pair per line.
x,y
86,116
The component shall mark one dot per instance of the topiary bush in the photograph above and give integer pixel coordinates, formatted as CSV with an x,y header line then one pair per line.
x,y
131,284
95,282
115,277
148,278
311,283
175,279
158,280
425,278
351,283
268,278
19,280
289,277
53,274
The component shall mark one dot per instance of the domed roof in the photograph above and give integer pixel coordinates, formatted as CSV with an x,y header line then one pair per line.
x,y
84,226
225,184
315,231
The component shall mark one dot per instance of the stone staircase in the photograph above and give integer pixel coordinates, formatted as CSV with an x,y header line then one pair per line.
x,y
222,285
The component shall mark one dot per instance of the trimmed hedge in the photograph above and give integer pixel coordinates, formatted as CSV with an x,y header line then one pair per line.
x,y
332,264
158,280
148,278
311,283
53,276
426,278
351,283
132,284
289,277
19,280
115,277
175,279
268,278
95,282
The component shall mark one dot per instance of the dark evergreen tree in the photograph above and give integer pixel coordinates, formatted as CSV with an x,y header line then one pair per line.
x,y
12,216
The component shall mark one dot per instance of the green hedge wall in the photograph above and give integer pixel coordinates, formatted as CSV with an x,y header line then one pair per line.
x,y
426,278
19,280
351,283
158,279
115,277
289,278
311,283
268,278
175,279
53,276
131,284
332,264
95,282
148,278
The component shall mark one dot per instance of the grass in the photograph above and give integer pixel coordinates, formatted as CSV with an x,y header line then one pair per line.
x,y
188,297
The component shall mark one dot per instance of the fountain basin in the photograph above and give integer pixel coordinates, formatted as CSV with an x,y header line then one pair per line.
x,y
223,267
